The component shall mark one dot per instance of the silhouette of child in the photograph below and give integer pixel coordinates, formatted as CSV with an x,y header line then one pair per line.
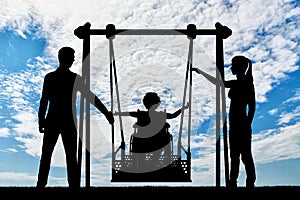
x,y
151,125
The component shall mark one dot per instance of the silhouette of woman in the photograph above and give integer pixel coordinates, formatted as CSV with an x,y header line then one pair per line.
x,y
241,114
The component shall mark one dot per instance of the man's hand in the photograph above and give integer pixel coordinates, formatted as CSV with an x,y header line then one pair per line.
x,y
187,105
41,128
110,118
41,125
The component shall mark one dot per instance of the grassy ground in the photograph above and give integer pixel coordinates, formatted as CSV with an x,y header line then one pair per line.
x,y
149,192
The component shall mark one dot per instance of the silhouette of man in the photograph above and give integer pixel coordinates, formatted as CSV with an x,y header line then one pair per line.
x,y
59,97
241,114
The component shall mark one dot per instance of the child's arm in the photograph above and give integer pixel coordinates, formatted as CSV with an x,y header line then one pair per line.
x,y
131,114
122,113
175,114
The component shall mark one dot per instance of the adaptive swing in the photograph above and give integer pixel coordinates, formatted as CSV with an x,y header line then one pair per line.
x,y
124,166
138,164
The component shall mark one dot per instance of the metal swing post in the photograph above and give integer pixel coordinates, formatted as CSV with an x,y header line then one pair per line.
x,y
223,32
191,34
110,35
217,122
83,32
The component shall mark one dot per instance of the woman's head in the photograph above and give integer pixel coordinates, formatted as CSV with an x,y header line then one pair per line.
x,y
239,65
150,99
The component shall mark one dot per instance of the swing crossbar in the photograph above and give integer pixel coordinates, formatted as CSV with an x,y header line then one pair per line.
x,y
153,32
191,31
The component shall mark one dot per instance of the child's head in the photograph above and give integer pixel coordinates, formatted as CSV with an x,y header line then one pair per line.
x,y
150,99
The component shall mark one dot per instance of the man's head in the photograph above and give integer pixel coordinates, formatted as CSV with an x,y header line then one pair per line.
x,y
66,56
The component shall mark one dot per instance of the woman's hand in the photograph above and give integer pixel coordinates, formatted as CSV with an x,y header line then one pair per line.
x,y
196,70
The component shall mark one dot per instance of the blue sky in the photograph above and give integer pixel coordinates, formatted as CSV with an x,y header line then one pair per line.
x,y
267,32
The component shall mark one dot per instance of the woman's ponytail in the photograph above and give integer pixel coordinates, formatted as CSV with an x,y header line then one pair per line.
x,y
248,73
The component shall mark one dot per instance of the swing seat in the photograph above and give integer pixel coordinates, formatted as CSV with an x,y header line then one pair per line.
x,y
141,164
168,169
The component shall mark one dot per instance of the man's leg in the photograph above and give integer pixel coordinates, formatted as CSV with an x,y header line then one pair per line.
x,y
69,139
49,141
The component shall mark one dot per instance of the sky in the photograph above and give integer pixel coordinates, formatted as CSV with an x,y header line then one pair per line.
x,y
267,32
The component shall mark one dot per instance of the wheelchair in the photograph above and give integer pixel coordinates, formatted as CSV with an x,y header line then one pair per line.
x,y
154,151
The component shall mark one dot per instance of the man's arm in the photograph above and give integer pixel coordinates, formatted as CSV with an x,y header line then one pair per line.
x,y
43,106
101,107
93,99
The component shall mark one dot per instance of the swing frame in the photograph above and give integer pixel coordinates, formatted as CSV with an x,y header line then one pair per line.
x,y
221,32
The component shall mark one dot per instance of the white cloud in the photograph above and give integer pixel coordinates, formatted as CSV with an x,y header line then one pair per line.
x,y
273,111
4,132
20,179
295,98
281,144
285,118
257,32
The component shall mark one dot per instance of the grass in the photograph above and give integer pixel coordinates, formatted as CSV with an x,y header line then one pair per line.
x,y
149,191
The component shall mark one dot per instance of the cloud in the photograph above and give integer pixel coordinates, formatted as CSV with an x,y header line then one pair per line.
x,y
281,144
295,98
273,111
286,118
17,178
265,31
4,132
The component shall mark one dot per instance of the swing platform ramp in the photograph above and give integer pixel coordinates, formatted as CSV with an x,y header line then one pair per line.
x,y
131,170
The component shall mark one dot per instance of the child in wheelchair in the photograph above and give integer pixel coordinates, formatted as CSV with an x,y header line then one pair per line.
x,y
151,135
